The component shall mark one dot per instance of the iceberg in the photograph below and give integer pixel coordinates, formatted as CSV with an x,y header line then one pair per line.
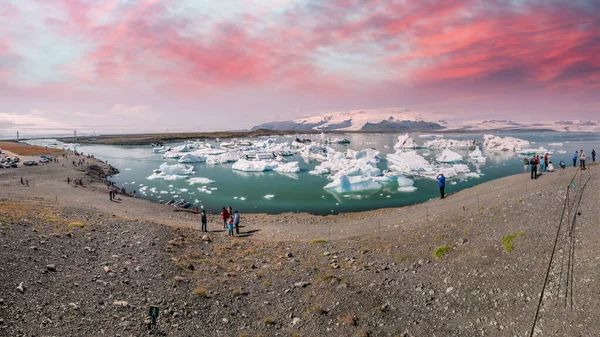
x,y
495,143
269,196
200,180
477,156
254,166
291,167
344,183
556,144
442,143
540,150
192,158
171,172
406,162
449,156
407,189
405,142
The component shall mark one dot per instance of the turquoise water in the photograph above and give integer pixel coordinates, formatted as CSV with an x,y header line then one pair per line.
x,y
303,192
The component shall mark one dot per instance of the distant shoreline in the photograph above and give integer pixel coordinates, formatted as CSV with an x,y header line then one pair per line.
x,y
149,138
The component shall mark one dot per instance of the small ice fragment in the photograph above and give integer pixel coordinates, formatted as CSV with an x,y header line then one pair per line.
x,y
269,196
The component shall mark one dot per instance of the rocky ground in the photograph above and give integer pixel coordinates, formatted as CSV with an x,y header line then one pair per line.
x,y
71,270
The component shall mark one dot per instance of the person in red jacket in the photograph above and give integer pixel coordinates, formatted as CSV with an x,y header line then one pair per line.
x,y
224,216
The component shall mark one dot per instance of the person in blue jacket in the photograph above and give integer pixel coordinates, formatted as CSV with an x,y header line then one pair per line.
x,y
441,184
575,155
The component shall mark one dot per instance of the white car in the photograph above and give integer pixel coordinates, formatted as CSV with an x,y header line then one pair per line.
x,y
44,160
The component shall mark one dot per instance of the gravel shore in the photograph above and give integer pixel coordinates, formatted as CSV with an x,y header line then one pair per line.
x,y
76,264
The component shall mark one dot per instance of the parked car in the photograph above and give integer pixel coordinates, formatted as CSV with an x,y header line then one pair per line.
x,y
30,163
50,158
14,165
44,160
16,159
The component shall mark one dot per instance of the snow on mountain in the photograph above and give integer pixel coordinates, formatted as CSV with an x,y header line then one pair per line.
x,y
402,119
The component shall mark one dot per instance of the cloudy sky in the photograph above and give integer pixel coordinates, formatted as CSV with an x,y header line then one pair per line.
x,y
200,65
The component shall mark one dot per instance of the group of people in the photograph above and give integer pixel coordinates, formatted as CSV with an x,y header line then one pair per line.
x,y
231,220
538,165
81,162
24,182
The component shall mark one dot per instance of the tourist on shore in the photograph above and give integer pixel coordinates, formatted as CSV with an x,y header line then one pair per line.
x,y
68,180
236,222
230,211
203,220
582,160
26,182
575,155
224,216
22,182
593,155
441,184
533,163
539,166
562,164
110,194
525,163
546,160
230,226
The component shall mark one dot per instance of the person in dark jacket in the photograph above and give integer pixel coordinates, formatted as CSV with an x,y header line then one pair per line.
x,y
575,155
593,155
441,184
533,163
203,219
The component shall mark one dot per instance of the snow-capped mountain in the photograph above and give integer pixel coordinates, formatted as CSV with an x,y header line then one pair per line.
x,y
400,119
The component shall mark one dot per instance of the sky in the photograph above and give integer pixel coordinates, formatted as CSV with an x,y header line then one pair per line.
x,y
112,66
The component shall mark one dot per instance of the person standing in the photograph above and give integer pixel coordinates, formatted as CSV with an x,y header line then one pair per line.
x,y
230,211
236,222
546,160
22,182
533,163
593,155
582,159
575,155
203,219
230,226
441,184
110,195
224,216
525,163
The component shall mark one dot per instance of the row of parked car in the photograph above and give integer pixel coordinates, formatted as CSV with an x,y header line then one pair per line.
x,y
7,162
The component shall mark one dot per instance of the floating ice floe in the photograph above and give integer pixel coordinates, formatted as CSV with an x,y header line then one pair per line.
x,y
407,189
561,151
477,156
171,172
200,180
539,150
406,162
269,196
345,183
449,156
254,166
405,142
443,143
192,158
556,144
495,143
183,190
291,167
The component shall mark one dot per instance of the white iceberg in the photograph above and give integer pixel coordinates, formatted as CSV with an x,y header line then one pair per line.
x,y
344,183
406,162
269,196
253,166
407,189
172,172
291,167
200,180
449,156
477,156
495,143
192,158
442,143
405,142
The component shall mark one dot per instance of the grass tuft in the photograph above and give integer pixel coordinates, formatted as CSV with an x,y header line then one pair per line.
x,y
314,241
201,291
269,321
76,224
440,251
507,241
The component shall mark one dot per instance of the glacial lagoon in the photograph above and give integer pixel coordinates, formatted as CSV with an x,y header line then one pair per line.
x,y
213,186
